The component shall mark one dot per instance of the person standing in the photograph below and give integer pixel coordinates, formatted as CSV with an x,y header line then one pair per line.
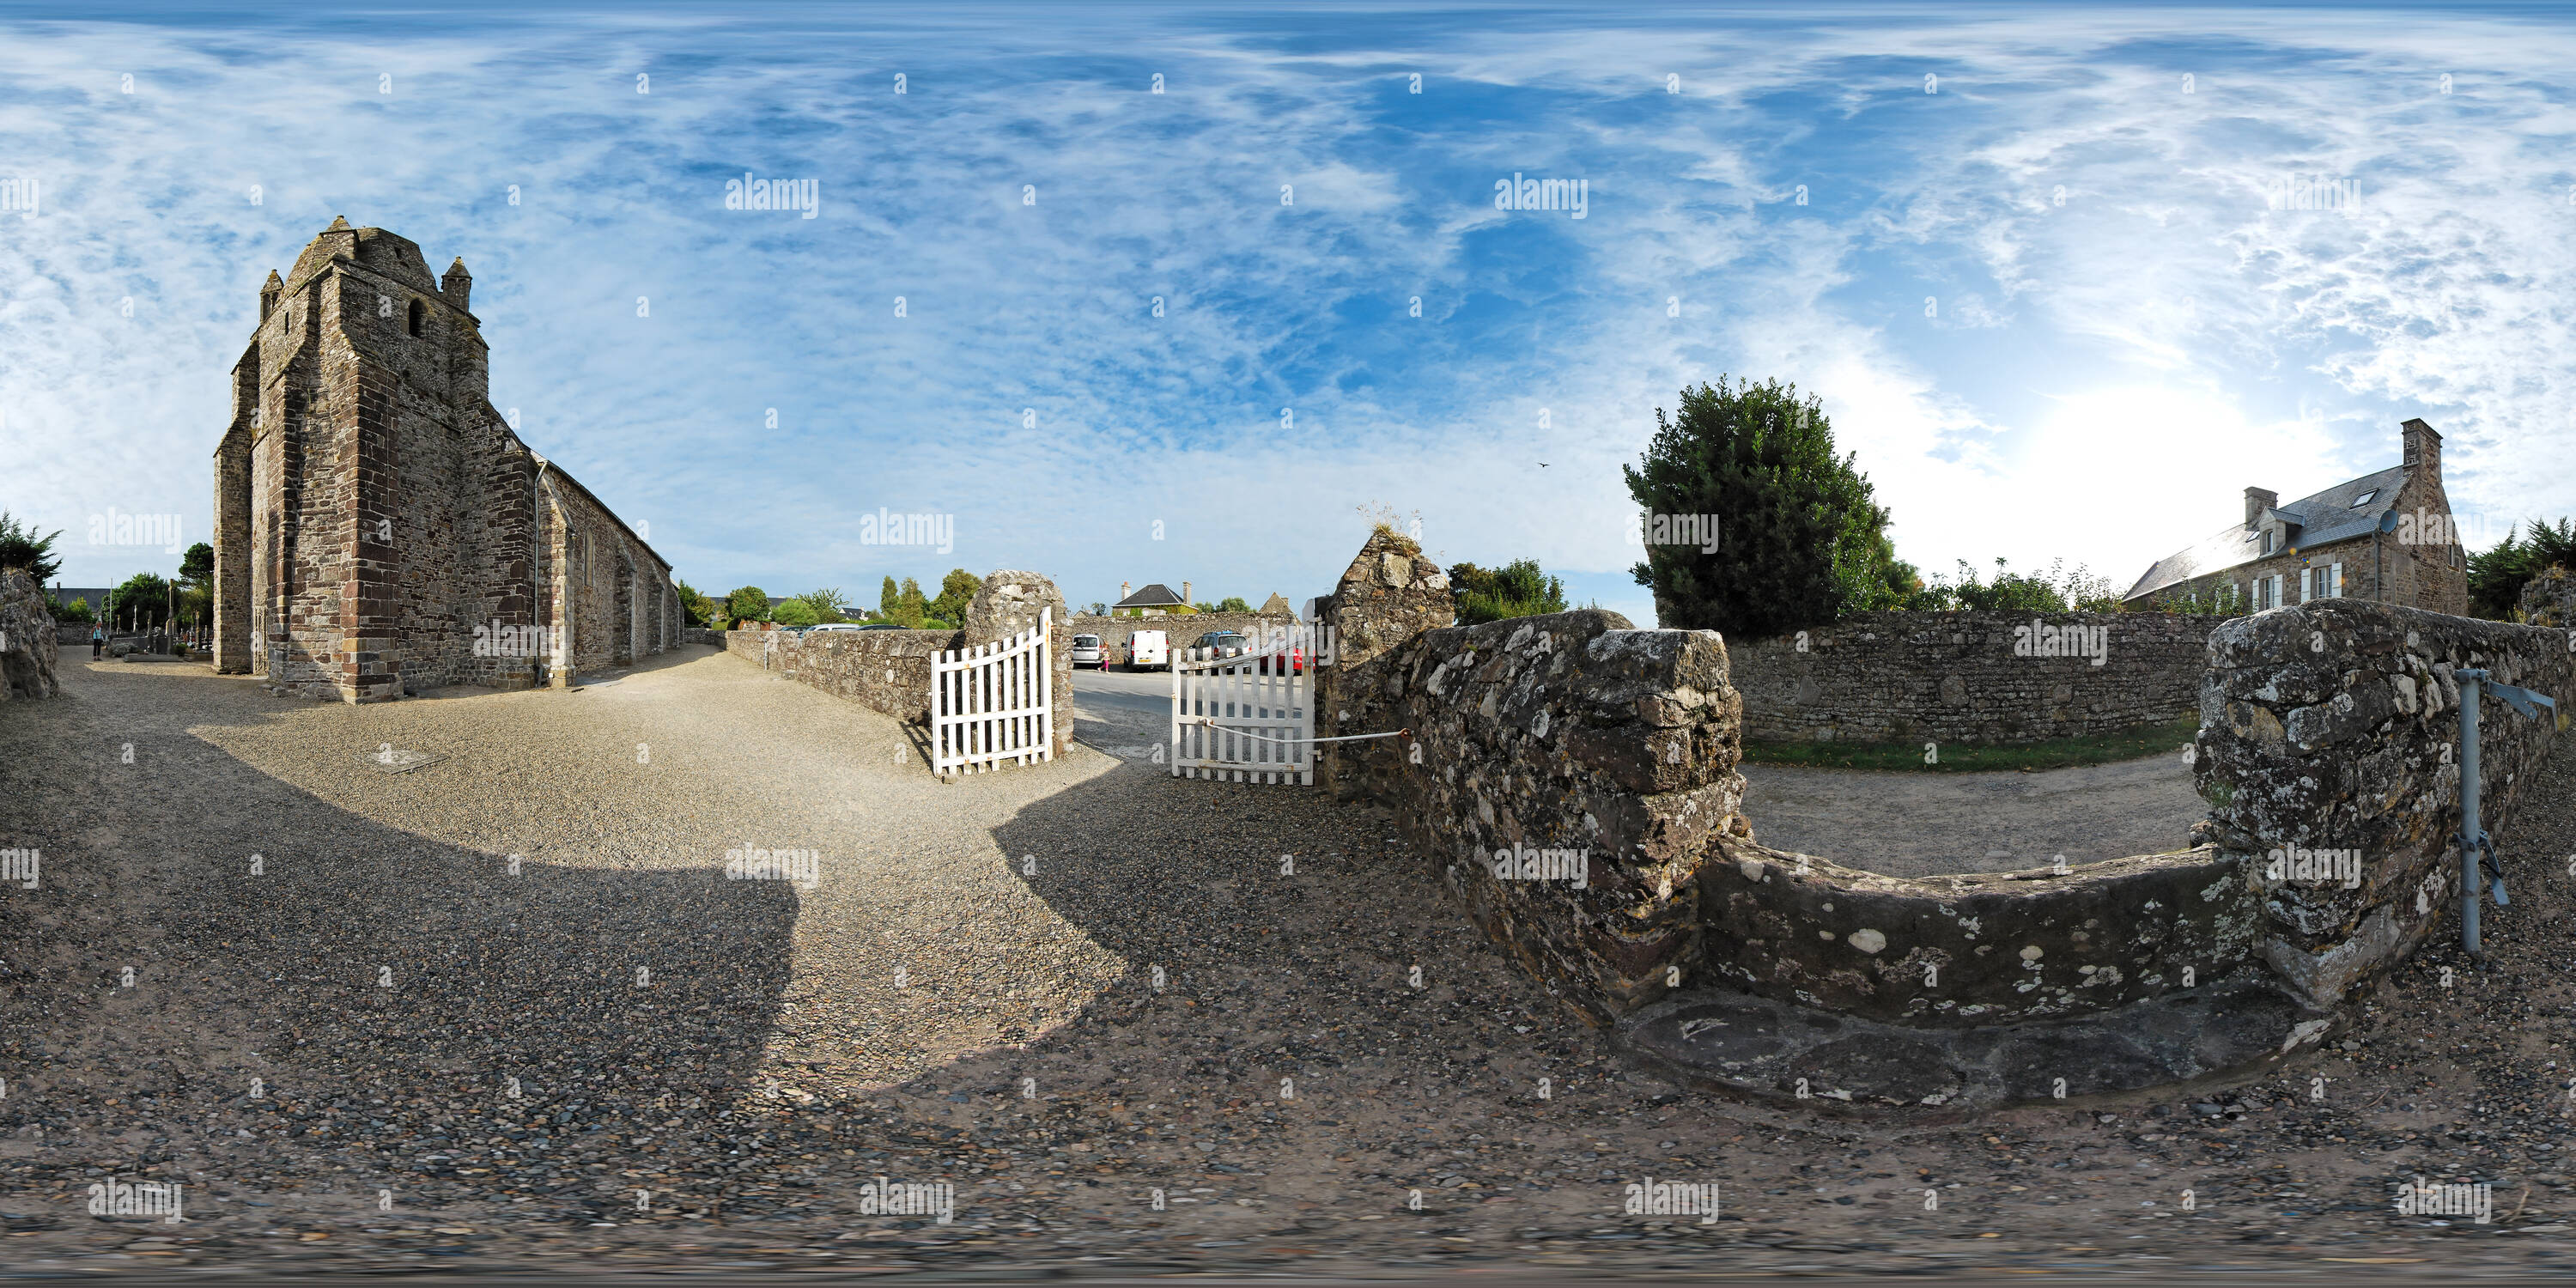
x,y
97,641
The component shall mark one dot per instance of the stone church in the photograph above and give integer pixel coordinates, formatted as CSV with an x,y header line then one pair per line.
x,y
379,530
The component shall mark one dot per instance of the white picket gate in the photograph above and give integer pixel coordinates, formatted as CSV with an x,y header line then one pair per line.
x,y
1249,716
993,704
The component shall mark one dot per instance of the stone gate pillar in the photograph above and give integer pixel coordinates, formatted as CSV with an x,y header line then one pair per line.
x,y
1009,603
1390,593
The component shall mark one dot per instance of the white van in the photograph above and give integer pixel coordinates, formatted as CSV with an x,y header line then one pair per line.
x,y
1149,648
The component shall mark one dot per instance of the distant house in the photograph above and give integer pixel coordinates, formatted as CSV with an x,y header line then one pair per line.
x,y
2386,536
1155,600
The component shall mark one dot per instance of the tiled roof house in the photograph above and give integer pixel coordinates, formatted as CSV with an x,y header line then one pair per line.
x,y
2384,536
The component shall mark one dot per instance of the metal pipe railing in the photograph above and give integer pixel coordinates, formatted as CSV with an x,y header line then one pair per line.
x,y
2477,849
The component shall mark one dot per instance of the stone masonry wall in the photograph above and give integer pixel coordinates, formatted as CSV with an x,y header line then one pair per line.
x,y
1973,949
2333,727
28,640
886,671
889,671
1010,602
1604,756
1957,677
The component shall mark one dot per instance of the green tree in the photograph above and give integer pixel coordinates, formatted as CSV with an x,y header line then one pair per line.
x,y
1232,604
890,601
197,567
910,609
1517,589
141,603
956,590
828,603
2497,575
20,547
700,610
795,612
75,611
747,604
1799,539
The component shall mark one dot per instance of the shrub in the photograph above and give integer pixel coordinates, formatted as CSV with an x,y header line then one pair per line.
x,y
1517,589
794,612
2497,576
20,547
75,611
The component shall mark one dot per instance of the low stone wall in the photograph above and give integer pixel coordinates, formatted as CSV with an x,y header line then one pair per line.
x,y
1114,631
1971,677
889,671
702,635
2332,729
28,650
886,671
1981,948
1567,775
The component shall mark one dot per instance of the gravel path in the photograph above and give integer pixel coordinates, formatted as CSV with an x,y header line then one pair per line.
x,y
1919,825
967,995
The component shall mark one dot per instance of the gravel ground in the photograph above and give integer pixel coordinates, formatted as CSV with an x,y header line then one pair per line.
x,y
1925,824
967,996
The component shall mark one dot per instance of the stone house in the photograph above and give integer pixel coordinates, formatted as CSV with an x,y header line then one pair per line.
x,y
379,529
2387,536
1155,600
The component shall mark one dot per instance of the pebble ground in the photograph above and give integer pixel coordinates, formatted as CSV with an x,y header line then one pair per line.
x,y
708,1071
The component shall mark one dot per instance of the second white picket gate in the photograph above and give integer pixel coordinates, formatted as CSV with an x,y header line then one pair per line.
x,y
993,704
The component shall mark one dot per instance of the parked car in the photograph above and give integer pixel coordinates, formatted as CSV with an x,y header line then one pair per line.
x,y
1149,649
832,626
1087,652
1286,657
1218,644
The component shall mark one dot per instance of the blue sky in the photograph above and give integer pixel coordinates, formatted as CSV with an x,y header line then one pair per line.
x,y
2050,303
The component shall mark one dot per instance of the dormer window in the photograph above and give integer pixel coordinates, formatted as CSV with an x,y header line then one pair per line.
x,y
419,315
2365,498
2267,541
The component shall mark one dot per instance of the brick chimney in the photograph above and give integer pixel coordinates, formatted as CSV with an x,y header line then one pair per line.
x,y
2423,449
2256,502
1122,590
457,285
1185,592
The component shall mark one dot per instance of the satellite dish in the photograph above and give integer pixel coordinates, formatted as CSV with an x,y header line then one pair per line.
x,y
2388,521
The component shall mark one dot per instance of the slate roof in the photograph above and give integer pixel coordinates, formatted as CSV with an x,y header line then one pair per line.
x,y
2312,521
1154,595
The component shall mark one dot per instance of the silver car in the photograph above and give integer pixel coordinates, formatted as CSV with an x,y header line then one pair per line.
x,y
1087,652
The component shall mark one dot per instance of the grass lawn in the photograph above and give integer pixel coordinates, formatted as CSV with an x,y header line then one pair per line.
x,y
1969,758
